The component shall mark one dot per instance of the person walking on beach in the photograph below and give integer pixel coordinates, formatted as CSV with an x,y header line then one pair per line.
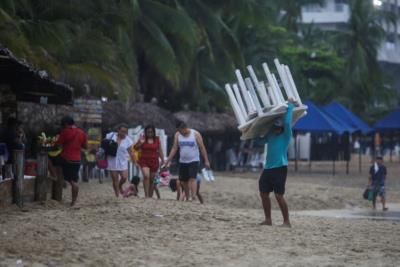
x,y
150,153
73,140
189,142
376,182
118,165
273,177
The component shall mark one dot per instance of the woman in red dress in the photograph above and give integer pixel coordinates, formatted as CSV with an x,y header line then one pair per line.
x,y
151,152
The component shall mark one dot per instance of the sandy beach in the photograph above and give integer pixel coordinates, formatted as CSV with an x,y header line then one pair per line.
x,y
106,231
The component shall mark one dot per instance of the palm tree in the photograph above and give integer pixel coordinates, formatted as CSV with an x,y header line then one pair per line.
x,y
55,36
180,51
358,45
220,50
291,12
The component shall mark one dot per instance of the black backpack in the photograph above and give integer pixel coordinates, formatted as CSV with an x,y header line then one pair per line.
x,y
110,146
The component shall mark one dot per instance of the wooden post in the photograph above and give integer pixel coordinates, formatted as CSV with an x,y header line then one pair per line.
x,y
349,153
295,153
85,172
359,160
391,146
18,181
41,178
58,185
333,167
334,154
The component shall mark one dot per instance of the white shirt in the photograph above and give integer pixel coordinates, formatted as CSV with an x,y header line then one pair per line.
x,y
188,148
120,161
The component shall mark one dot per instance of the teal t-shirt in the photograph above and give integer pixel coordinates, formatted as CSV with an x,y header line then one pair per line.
x,y
278,144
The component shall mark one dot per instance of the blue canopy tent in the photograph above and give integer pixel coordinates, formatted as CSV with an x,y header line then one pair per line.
x,y
337,110
318,121
390,123
348,117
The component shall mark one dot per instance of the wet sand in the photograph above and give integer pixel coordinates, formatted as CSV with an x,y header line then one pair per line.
x,y
106,231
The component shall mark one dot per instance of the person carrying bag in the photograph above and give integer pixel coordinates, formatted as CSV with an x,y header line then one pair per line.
x,y
109,146
117,147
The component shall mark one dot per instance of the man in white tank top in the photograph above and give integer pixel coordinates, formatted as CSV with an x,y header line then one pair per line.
x,y
189,142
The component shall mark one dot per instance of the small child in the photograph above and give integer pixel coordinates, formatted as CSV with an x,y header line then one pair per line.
x,y
198,182
175,186
133,188
101,163
155,186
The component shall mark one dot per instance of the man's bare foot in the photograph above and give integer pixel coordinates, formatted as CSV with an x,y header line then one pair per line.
x,y
266,222
286,224
74,206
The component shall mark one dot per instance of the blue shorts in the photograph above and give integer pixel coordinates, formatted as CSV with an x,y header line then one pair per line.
x,y
379,191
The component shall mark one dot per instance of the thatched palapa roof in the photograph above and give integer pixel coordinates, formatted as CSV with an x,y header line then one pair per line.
x,y
208,122
30,84
115,112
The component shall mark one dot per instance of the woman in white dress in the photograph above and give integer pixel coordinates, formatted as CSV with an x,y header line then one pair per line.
x,y
118,165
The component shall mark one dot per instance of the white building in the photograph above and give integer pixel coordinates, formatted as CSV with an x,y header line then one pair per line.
x,y
335,14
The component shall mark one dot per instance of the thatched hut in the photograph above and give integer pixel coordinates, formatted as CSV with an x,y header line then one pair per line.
x,y
115,112
219,131
208,123
21,83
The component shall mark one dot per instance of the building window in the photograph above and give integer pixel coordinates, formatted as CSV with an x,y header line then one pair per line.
x,y
390,42
339,5
312,8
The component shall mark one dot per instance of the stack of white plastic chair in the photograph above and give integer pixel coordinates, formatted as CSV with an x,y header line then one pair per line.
x,y
257,103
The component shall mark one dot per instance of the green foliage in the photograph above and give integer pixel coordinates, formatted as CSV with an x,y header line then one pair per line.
x,y
316,71
183,51
358,45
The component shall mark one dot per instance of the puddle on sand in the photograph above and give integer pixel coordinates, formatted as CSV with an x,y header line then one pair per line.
x,y
393,214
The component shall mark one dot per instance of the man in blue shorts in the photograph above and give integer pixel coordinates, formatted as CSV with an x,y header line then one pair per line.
x,y
273,177
376,181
